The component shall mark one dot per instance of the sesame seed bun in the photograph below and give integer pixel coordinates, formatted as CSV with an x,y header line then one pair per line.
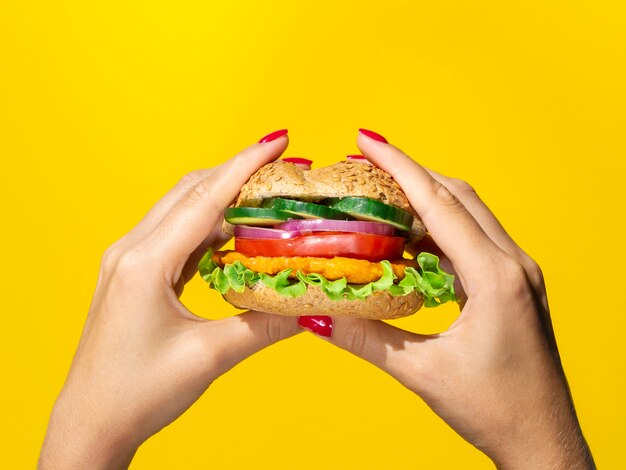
x,y
343,179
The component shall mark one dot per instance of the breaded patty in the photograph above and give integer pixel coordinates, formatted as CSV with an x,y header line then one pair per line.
x,y
356,271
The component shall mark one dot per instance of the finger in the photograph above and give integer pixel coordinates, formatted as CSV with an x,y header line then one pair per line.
x,y
193,217
483,215
490,224
454,229
165,204
233,339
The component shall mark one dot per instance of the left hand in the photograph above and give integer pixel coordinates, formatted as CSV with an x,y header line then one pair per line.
x,y
143,358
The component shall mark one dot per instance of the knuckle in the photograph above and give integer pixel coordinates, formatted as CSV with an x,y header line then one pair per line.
x,y
459,186
129,261
535,274
444,195
514,278
512,270
191,179
201,190
274,328
112,255
109,257
123,263
354,338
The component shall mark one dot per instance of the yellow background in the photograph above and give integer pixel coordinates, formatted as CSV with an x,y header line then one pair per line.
x,y
104,105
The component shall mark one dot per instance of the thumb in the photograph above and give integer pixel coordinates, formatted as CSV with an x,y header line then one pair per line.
x,y
398,352
233,339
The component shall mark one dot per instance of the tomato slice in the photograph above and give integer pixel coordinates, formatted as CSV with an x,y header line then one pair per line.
x,y
326,245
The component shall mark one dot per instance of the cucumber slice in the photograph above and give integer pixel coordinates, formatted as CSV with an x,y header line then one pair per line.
x,y
305,210
256,216
364,208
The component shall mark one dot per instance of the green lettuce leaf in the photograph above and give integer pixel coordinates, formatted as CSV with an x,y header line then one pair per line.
x,y
283,285
234,276
435,285
333,289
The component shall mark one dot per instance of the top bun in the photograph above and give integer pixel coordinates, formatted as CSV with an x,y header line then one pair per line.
x,y
343,179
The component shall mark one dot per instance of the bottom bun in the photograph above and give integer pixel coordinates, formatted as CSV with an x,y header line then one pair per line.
x,y
378,306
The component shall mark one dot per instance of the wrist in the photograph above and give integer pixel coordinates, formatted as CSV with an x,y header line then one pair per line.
x,y
75,441
563,448
578,459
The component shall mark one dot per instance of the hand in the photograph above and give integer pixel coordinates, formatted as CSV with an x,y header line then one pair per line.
x,y
495,375
143,358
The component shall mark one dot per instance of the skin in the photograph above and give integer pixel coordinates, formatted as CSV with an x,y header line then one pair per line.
x,y
143,358
495,375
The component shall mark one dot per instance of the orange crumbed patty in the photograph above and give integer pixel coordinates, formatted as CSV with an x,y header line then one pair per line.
x,y
356,271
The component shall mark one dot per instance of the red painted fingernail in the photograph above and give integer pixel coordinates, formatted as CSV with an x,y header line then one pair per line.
x,y
357,158
318,324
373,135
273,136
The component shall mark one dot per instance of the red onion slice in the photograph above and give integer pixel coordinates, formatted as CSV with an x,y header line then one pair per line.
x,y
303,163
245,231
325,225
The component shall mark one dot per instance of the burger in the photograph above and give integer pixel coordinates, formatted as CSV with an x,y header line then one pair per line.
x,y
326,241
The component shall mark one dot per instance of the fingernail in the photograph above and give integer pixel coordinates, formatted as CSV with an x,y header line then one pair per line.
x,y
273,136
373,135
318,324
357,158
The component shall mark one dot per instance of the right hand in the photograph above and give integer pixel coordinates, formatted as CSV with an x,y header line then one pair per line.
x,y
495,375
